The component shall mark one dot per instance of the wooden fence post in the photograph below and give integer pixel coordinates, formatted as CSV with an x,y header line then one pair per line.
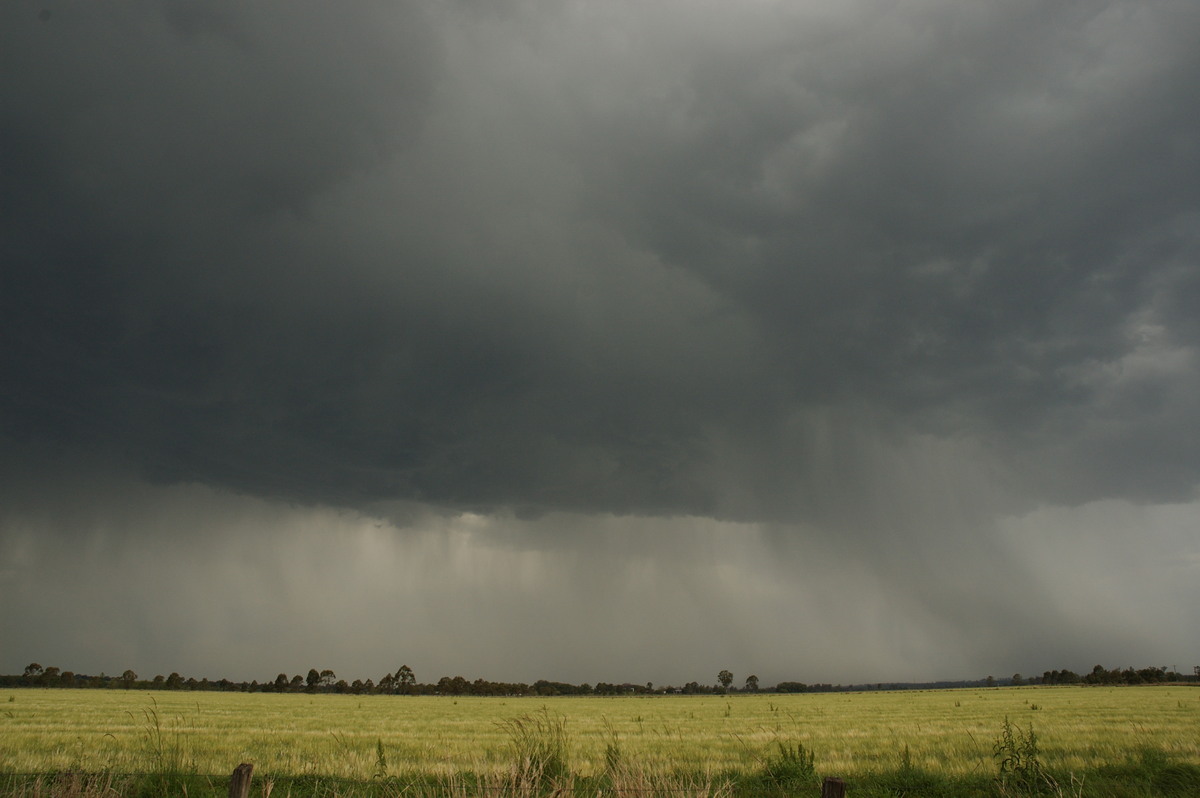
x,y
833,788
239,782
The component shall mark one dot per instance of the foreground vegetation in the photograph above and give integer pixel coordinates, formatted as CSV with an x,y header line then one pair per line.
x,y
1074,741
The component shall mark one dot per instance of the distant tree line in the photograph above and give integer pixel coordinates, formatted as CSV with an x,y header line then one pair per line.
x,y
404,682
1101,675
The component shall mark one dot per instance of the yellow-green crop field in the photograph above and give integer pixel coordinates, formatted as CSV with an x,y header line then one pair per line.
x,y
950,732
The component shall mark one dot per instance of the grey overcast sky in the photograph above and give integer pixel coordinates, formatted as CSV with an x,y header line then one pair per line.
x,y
825,340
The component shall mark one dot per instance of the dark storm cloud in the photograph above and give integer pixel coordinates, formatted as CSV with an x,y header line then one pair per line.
x,y
689,259
946,222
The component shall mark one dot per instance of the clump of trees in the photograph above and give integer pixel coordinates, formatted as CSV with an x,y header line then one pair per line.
x,y
792,687
1100,675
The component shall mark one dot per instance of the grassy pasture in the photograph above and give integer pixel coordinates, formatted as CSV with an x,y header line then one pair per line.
x,y
948,733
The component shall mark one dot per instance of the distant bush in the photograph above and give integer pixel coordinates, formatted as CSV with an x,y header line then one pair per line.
x,y
791,687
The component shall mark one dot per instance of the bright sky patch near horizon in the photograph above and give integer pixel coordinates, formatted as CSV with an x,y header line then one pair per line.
x,y
829,342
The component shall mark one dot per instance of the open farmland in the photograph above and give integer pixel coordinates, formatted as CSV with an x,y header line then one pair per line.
x,y
948,734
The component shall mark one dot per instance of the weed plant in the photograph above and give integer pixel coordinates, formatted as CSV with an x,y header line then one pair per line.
x,y
910,780
540,751
1018,760
789,768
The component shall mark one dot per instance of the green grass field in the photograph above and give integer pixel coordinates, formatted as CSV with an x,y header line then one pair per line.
x,y
947,737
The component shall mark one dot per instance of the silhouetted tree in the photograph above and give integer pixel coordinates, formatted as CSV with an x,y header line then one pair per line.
x,y
752,683
725,678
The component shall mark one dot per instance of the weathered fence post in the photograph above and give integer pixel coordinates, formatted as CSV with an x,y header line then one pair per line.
x,y
833,788
239,782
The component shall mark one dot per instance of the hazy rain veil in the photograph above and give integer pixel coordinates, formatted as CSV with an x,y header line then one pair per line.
x,y
829,341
